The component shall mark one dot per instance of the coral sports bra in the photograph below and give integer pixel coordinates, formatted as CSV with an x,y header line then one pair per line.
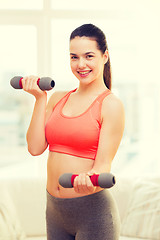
x,y
79,135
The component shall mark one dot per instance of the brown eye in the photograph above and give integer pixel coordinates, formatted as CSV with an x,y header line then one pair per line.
x,y
89,56
73,57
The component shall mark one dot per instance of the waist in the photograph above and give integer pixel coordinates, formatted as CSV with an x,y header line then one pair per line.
x,y
58,164
81,199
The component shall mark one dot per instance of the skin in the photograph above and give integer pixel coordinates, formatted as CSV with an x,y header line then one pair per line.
x,y
87,64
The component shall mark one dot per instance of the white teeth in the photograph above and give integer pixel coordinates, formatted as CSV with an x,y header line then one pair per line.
x,y
83,73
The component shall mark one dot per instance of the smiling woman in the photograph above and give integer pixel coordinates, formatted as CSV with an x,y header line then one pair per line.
x,y
135,72
84,62
98,43
35,41
87,56
83,128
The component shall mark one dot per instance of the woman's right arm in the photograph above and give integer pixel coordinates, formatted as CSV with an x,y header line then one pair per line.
x,y
36,132
36,139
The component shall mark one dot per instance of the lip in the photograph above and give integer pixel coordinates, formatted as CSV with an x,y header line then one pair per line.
x,y
84,73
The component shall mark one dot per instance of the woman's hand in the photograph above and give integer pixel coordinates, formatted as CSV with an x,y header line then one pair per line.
x,y
83,184
29,84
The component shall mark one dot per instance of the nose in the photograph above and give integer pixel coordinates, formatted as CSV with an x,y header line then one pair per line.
x,y
81,63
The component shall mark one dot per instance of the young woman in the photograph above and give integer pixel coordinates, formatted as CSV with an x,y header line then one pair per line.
x,y
83,128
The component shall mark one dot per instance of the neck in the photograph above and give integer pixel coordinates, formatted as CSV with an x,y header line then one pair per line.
x,y
92,87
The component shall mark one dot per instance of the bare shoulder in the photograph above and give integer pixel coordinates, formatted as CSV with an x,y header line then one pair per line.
x,y
112,107
55,98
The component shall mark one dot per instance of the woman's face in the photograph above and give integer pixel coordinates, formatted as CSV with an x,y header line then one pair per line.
x,y
86,60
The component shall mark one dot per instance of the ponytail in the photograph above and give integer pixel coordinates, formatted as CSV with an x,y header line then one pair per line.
x,y
107,75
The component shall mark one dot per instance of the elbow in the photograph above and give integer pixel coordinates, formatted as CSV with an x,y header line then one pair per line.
x,y
36,152
33,152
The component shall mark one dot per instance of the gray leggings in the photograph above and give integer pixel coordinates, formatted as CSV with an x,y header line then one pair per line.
x,y
92,217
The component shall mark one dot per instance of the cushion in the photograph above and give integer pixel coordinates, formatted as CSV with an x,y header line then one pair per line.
x,y
122,191
37,238
9,224
29,198
142,218
130,238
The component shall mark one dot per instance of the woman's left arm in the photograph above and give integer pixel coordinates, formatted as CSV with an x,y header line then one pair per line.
x,y
113,120
111,133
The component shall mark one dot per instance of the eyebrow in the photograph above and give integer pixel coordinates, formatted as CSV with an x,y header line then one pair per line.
x,y
84,54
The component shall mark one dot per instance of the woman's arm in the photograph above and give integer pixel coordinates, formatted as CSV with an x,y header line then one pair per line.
x,y
111,133
113,120
36,132
36,139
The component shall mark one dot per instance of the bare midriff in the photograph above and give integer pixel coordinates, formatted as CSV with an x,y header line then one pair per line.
x,y
59,164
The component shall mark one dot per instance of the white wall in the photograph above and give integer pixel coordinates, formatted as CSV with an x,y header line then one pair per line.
x,y
35,40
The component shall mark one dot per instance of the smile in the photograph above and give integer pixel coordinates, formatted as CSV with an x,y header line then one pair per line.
x,y
84,73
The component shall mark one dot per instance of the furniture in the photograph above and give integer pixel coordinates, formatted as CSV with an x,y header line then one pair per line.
x,y
23,201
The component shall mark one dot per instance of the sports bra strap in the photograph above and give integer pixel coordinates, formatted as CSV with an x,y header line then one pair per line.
x,y
101,97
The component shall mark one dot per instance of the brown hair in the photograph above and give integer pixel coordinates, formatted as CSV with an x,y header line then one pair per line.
x,y
91,31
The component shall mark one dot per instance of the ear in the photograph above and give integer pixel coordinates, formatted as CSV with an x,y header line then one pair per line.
x,y
106,56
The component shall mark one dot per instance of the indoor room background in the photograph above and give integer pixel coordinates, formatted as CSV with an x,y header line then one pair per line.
x,y
34,40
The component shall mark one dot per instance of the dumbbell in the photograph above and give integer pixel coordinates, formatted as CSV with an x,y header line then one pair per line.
x,y
103,180
44,83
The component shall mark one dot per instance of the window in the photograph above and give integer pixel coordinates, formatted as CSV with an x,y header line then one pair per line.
x,y
91,5
18,57
37,42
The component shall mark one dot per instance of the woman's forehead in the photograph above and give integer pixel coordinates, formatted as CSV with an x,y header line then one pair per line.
x,y
83,44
